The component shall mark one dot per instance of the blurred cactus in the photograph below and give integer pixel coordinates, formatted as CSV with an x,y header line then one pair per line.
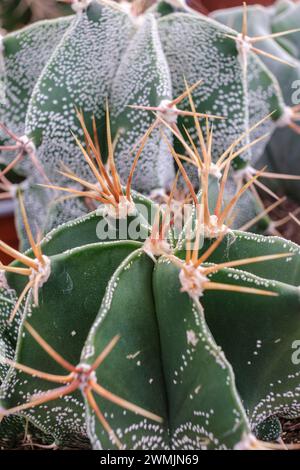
x,y
17,13
282,153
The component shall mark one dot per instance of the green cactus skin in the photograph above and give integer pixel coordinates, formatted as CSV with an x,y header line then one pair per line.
x,y
282,152
152,56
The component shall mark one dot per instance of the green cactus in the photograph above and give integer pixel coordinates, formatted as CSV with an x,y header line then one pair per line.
x,y
281,154
136,330
153,54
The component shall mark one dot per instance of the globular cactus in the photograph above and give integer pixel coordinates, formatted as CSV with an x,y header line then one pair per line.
x,y
282,152
126,336
140,63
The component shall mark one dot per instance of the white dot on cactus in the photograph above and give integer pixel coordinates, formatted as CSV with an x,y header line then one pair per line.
x,y
3,281
244,42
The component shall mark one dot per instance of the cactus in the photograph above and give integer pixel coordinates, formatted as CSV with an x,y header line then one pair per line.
x,y
154,53
281,154
154,367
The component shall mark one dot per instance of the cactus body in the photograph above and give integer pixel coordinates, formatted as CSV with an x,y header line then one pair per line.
x,y
166,349
281,154
103,52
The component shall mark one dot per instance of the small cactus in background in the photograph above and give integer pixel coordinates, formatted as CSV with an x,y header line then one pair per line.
x,y
43,83
281,154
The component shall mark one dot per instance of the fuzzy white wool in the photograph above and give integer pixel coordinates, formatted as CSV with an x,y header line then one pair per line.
x,y
124,209
214,170
43,272
167,111
287,117
244,173
155,248
192,280
213,229
27,144
243,43
84,374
